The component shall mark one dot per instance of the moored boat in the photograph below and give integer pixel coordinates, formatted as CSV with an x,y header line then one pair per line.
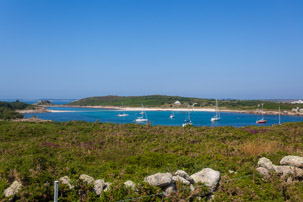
x,y
142,119
187,121
122,114
217,117
262,120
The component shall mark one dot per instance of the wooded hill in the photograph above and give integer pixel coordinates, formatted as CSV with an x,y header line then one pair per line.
x,y
167,101
7,109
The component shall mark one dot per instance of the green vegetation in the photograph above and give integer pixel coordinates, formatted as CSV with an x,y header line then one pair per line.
x,y
7,109
36,154
167,101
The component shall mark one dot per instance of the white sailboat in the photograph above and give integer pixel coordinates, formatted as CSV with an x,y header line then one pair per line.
x,y
279,116
187,121
172,115
141,118
217,117
122,114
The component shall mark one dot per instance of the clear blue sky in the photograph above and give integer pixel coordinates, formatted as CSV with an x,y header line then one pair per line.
x,y
246,49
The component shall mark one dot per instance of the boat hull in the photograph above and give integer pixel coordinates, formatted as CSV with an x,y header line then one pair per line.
x,y
186,124
215,119
262,121
122,115
141,120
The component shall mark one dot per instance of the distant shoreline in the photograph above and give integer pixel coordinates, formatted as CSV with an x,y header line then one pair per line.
x,y
44,110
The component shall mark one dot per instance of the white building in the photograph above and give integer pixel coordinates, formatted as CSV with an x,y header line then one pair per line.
x,y
177,103
296,110
297,102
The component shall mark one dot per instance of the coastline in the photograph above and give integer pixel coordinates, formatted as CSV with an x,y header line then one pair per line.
x,y
37,110
287,113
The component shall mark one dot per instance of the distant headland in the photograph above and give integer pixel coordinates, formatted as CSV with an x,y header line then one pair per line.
x,y
178,103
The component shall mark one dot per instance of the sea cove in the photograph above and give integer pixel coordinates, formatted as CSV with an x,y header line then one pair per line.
x,y
199,118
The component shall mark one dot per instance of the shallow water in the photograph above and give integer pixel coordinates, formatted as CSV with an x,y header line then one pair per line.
x,y
160,117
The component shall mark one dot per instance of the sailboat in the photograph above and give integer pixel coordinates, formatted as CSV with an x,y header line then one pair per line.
x,y
172,115
217,117
279,116
187,121
262,120
141,118
122,114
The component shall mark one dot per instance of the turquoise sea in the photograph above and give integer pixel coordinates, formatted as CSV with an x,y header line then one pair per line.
x,y
160,117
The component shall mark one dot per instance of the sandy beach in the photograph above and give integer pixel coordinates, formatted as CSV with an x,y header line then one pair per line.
x,y
38,110
136,108
174,109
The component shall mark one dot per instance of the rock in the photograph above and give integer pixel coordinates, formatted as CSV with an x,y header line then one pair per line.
x,y
180,179
283,170
43,102
169,189
232,172
289,180
106,186
207,176
87,179
289,170
183,174
210,197
264,172
296,161
159,179
98,186
13,189
266,163
130,184
66,180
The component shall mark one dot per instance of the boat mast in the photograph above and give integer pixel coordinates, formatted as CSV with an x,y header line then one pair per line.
x,y
279,116
193,107
188,113
262,112
217,109
173,109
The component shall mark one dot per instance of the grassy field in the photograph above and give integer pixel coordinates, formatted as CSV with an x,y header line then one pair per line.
x,y
167,101
36,154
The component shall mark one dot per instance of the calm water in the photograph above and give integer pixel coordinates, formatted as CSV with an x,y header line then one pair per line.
x,y
160,117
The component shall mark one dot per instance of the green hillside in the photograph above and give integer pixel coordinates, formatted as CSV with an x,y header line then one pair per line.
x,y
36,154
167,101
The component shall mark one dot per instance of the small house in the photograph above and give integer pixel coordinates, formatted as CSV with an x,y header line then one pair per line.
x,y
177,103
